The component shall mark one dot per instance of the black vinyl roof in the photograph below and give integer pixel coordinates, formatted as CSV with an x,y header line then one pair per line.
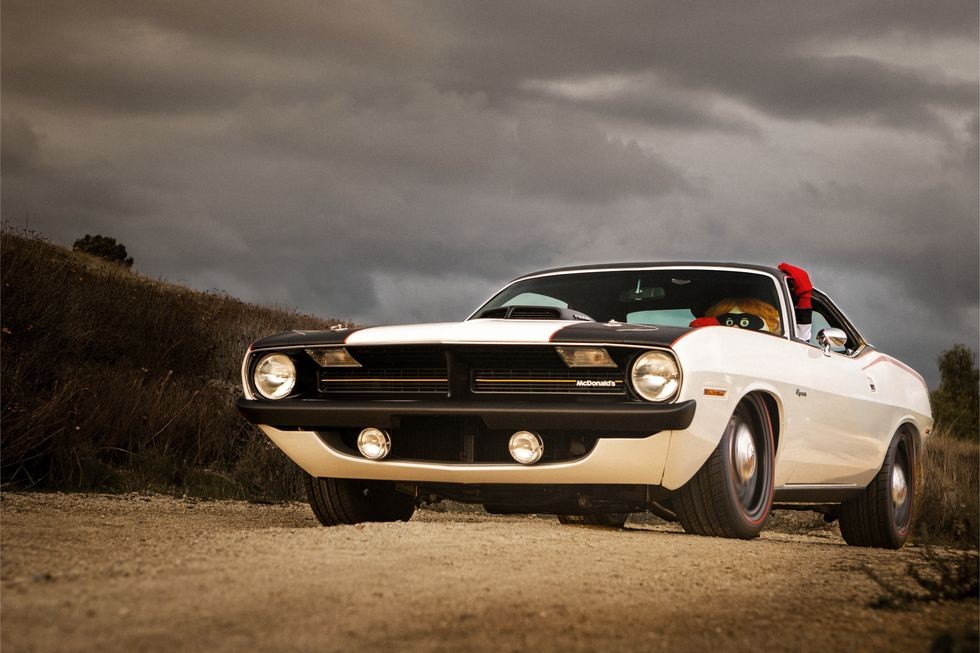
x,y
657,264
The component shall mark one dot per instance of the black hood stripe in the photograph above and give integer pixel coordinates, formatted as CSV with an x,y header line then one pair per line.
x,y
620,334
305,338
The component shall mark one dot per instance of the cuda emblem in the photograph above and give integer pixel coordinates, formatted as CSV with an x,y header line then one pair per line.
x,y
800,393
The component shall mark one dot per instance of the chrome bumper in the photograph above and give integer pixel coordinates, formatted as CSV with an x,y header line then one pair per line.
x,y
613,460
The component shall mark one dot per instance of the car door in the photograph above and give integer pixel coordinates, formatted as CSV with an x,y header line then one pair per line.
x,y
839,439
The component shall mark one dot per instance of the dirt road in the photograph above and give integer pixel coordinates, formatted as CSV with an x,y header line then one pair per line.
x,y
152,573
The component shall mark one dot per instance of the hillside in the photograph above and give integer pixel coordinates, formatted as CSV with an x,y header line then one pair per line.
x,y
114,381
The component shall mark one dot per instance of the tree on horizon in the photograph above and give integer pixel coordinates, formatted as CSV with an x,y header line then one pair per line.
x,y
105,248
956,403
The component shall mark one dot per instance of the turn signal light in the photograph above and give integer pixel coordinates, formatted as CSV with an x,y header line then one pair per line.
x,y
333,357
585,357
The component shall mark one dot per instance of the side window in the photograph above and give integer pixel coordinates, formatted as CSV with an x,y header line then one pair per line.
x,y
824,319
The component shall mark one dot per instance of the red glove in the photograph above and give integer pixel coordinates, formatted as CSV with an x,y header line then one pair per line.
x,y
705,321
799,284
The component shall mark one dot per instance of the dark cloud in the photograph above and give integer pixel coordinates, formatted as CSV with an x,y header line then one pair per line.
x,y
19,146
848,87
397,161
779,58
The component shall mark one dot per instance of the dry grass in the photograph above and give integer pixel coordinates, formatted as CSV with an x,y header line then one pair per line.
x,y
111,380
949,501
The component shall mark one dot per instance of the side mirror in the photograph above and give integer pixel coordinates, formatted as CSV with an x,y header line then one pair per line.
x,y
828,338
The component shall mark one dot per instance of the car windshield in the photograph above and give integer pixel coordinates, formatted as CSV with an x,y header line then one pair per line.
x,y
665,297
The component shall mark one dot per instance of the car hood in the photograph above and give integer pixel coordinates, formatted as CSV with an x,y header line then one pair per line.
x,y
482,331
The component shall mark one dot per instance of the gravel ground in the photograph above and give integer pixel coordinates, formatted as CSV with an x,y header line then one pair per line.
x,y
154,573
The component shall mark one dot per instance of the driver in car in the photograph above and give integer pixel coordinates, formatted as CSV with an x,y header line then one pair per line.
x,y
743,313
750,313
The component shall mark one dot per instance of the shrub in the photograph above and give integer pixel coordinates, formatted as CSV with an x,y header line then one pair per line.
x,y
105,248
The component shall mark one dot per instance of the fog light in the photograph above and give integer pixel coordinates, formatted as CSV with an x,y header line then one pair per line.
x,y
526,447
373,443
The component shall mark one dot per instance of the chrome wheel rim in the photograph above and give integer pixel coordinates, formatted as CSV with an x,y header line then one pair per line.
x,y
749,461
900,488
745,457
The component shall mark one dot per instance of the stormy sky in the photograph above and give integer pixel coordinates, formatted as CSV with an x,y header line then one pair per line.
x,y
395,162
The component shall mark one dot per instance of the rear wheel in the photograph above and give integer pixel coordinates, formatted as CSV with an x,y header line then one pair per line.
x,y
607,519
731,495
881,515
337,501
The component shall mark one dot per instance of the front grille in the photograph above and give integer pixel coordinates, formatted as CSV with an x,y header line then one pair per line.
x,y
569,381
399,356
389,371
527,357
431,371
384,381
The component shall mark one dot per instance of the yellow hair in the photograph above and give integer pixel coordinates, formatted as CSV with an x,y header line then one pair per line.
x,y
767,312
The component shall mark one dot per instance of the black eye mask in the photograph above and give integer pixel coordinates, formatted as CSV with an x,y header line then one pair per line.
x,y
742,321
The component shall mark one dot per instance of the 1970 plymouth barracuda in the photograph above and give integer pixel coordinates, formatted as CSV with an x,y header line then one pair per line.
x,y
593,392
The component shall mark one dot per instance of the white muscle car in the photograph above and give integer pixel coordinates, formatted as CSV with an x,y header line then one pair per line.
x,y
585,392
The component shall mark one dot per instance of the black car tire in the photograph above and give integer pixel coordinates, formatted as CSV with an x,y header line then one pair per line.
x,y
607,519
337,501
728,496
876,518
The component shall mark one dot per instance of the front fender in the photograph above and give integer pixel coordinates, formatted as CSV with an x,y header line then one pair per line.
x,y
721,366
691,447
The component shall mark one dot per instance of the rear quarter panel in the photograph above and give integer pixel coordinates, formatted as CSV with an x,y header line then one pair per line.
x,y
901,388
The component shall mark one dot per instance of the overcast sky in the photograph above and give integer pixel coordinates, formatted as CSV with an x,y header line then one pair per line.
x,y
395,162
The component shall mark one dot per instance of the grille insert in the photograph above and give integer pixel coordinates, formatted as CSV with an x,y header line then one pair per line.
x,y
548,381
384,381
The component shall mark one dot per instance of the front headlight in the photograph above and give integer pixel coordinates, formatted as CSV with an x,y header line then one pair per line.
x,y
655,376
274,376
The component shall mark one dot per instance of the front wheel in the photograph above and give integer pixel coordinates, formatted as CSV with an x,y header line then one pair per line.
x,y
881,515
731,495
337,501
